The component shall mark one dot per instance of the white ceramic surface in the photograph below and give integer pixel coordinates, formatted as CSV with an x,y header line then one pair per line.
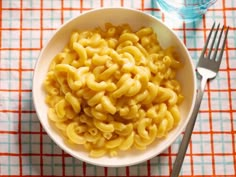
x,y
116,16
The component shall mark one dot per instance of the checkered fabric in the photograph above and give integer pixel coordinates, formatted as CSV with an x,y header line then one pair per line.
x,y
26,149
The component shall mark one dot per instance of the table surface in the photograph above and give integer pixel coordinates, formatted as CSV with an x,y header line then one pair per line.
x,y
25,148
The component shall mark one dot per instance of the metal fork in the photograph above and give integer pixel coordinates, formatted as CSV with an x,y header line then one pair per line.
x,y
207,68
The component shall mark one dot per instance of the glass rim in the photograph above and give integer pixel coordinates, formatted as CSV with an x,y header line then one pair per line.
x,y
193,3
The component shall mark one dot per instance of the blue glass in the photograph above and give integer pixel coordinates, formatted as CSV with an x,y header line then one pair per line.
x,y
186,10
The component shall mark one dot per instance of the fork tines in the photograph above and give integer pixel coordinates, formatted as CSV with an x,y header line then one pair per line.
x,y
214,46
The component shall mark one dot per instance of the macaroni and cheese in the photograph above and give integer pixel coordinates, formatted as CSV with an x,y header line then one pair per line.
x,y
113,89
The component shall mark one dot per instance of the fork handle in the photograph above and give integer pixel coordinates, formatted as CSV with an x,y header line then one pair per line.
x,y
188,131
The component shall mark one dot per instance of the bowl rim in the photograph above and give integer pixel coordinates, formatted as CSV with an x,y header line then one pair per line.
x,y
96,162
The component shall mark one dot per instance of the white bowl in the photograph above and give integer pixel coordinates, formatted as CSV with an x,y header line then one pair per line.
x,y
116,16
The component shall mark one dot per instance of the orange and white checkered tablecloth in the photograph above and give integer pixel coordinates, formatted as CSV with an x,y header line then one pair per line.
x,y
26,149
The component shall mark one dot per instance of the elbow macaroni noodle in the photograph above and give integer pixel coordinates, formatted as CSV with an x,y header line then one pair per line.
x,y
115,89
